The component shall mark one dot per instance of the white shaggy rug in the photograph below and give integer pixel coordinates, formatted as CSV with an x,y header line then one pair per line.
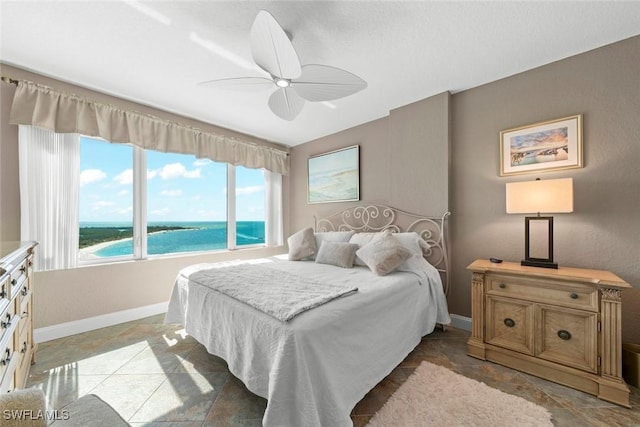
x,y
435,396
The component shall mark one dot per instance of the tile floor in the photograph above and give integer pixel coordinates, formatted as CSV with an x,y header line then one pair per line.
x,y
155,375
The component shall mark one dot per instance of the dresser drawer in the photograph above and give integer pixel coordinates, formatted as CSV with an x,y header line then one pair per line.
x,y
7,349
23,300
5,287
568,337
573,295
23,352
510,324
7,318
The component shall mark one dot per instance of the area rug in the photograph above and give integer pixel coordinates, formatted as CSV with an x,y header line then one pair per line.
x,y
436,396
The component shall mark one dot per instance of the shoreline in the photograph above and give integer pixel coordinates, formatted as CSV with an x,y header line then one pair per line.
x,y
88,253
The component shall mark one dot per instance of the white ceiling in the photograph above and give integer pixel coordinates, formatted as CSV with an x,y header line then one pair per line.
x,y
156,52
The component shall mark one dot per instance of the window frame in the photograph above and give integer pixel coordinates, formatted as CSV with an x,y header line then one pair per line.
x,y
139,163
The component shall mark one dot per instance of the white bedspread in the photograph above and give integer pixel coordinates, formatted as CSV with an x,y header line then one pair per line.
x,y
316,367
278,293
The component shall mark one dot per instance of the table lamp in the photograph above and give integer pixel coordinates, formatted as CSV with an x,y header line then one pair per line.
x,y
548,196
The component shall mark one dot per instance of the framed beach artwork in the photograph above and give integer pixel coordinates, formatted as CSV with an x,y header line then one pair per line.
x,y
545,146
334,176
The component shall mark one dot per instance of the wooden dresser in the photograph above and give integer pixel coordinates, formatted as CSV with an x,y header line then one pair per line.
x,y
17,349
563,325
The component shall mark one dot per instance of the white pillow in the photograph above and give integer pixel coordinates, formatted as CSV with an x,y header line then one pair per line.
x,y
302,244
410,240
332,236
383,254
341,254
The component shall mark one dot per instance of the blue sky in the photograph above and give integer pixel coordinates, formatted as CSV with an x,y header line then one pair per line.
x,y
179,187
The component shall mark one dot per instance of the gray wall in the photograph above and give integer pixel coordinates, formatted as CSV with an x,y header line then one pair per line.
x,y
604,230
404,153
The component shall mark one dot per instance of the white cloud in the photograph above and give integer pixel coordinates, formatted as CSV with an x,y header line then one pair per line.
x,y
201,162
171,193
102,204
125,177
160,212
195,173
89,176
151,173
252,189
125,211
177,170
123,193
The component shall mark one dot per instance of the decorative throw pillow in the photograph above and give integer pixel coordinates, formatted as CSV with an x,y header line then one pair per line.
x,y
383,254
341,254
332,236
301,244
362,239
410,240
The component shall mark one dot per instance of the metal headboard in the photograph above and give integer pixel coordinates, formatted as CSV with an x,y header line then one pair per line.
x,y
373,218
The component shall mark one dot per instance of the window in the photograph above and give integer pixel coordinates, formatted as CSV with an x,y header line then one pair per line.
x,y
106,199
250,206
186,204
180,204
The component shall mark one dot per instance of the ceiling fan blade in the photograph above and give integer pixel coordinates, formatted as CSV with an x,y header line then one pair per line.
x,y
324,83
240,83
286,104
271,48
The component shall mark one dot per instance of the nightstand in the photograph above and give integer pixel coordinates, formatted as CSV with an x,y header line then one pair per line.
x,y
563,325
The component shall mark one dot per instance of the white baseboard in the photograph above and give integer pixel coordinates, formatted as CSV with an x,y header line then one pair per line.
x,y
460,322
62,330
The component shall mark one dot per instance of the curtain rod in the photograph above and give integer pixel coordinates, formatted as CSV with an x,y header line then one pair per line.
x,y
10,80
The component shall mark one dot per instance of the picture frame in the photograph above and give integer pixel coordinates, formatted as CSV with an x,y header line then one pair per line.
x,y
334,176
542,147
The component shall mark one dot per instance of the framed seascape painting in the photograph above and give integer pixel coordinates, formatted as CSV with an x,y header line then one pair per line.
x,y
545,146
334,176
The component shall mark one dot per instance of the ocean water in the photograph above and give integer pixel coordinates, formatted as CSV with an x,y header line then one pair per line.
x,y
201,236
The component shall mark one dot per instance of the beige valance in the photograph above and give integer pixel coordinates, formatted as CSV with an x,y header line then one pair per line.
x,y
60,112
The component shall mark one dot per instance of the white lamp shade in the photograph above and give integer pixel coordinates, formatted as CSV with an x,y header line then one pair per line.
x,y
540,196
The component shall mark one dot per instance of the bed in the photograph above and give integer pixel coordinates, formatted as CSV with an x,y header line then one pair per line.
x,y
314,366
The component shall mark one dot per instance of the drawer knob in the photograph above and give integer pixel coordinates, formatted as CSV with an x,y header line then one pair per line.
x,y
502,286
6,324
7,358
24,347
3,294
509,323
14,282
24,291
564,335
574,295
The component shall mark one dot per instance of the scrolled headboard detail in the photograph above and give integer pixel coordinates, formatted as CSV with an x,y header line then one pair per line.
x,y
374,218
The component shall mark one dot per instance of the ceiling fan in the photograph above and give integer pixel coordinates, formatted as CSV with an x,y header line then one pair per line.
x,y
272,51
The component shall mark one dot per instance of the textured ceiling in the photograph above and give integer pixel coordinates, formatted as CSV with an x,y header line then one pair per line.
x,y
156,52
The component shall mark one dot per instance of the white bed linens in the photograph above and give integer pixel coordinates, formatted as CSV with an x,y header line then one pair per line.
x,y
316,367
278,293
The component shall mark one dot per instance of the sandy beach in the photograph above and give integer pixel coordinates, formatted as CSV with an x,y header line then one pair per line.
x,y
88,253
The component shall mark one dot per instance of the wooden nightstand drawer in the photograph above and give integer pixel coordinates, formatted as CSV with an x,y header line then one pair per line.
x,y
560,324
573,295
568,336
510,324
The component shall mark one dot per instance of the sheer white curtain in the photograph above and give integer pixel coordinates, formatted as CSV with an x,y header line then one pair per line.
x,y
49,186
273,196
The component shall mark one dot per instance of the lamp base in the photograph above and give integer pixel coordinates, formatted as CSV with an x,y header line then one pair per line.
x,y
543,264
